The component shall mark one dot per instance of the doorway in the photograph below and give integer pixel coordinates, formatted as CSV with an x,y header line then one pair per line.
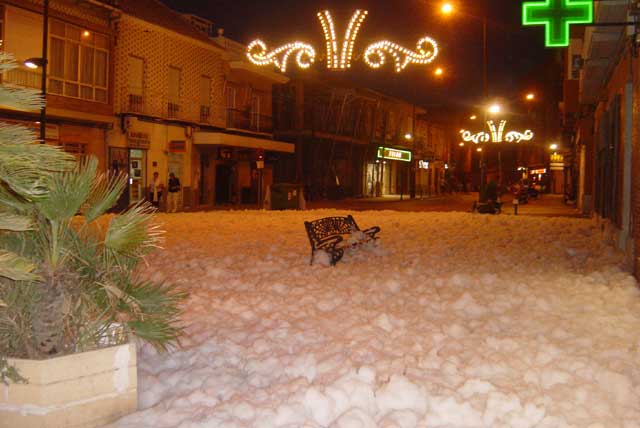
x,y
137,175
223,183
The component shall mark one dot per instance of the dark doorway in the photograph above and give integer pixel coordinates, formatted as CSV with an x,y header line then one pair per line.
x,y
223,184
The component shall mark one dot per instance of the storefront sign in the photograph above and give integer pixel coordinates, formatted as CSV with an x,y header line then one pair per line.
x,y
538,171
177,146
138,140
394,154
422,164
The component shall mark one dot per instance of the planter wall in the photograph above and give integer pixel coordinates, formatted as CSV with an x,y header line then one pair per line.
x,y
84,390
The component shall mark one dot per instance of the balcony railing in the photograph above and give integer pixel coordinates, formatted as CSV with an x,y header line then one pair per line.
x,y
205,114
173,110
243,119
136,103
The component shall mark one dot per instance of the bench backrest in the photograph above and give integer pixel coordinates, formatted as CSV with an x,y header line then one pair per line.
x,y
321,228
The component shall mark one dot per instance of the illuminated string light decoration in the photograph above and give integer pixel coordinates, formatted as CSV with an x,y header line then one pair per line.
x,y
497,134
342,61
517,137
480,137
557,16
341,58
427,50
258,54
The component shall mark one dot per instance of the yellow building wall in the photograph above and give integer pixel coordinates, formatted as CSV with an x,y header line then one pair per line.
x,y
161,49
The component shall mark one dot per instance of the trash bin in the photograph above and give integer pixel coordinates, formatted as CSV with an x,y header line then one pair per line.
x,y
285,196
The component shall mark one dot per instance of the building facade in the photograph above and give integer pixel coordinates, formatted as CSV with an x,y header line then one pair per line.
x,y
357,142
600,108
80,70
187,104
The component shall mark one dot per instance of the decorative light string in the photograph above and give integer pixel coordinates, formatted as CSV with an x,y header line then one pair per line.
x,y
258,54
480,137
497,134
374,55
426,52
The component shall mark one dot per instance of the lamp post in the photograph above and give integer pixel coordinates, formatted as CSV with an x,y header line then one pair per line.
x,y
447,9
41,63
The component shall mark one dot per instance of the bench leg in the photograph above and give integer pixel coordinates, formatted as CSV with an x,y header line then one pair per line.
x,y
311,259
336,255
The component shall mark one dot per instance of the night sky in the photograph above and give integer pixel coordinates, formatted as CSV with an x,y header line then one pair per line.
x,y
516,54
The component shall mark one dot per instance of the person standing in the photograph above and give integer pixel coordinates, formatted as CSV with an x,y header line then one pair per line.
x,y
172,197
155,190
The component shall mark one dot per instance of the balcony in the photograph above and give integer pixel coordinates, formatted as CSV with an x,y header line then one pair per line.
x,y
205,114
246,120
135,103
173,110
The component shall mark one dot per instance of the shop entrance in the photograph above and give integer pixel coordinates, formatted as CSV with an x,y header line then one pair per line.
x,y
137,175
223,183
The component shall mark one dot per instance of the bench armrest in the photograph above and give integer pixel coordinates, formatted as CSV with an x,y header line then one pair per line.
x,y
371,232
328,242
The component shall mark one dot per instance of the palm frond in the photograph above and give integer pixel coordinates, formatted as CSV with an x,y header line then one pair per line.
x,y
15,222
16,268
25,166
68,191
105,192
17,98
134,232
154,311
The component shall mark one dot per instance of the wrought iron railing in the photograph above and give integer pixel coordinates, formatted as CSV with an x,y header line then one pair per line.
x,y
245,119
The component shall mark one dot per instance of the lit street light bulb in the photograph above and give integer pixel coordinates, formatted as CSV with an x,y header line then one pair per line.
x,y
495,109
408,136
446,9
439,71
531,97
474,117
461,144
553,147
479,149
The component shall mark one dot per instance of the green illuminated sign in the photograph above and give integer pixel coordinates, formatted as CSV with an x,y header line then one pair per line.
x,y
394,154
557,16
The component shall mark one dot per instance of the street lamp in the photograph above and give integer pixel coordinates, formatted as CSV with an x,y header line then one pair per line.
x,y
446,8
494,108
530,96
34,63
439,71
553,146
473,117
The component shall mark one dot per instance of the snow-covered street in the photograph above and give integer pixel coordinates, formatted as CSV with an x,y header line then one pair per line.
x,y
452,320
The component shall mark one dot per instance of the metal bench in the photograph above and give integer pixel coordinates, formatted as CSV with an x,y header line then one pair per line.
x,y
329,233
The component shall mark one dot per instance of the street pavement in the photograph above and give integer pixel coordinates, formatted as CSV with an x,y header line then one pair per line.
x,y
545,205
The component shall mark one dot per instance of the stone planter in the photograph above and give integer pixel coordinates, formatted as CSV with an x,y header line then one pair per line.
x,y
83,390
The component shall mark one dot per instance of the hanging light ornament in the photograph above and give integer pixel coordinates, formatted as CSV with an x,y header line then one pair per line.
x,y
340,59
497,134
258,54
426,52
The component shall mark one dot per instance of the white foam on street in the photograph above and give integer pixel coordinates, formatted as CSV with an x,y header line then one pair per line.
x,y
453,321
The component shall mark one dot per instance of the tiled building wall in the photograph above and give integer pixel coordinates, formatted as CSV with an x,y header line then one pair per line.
x,y
161,49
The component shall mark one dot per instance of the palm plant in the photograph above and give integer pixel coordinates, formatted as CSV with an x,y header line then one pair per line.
x,y
68,280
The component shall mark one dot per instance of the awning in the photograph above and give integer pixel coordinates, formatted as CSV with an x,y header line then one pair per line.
x,y
222,139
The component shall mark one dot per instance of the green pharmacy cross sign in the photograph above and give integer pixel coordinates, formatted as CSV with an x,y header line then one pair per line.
x,y
557,16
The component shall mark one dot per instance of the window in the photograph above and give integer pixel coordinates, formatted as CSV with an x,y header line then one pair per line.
x,y
78,63
232,118
174,92
135,84
205,98
255,112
